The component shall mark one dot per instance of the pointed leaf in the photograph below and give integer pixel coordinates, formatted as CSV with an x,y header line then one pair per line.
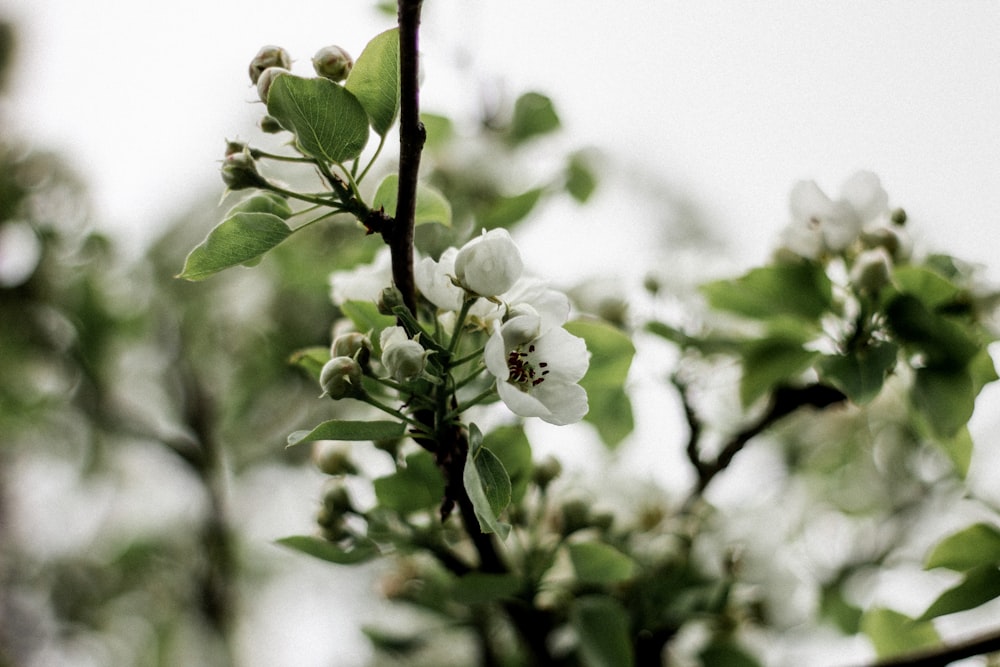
x,y
511,446
374,80
263,202
236,240
488,485
534,115
860,375
417,486
800,289
505,211
945,397
893,633
769,362
362,551
431,204
599,563
329,122
967,549
602,626
337,429
980,585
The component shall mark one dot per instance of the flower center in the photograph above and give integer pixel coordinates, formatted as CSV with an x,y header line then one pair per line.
x,y
523,370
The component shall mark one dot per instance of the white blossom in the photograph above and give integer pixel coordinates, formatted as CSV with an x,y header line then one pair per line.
x,y
362,283
537,368
489,264
403,358
434,280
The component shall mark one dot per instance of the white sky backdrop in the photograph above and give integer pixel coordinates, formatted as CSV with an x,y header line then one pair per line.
x,y
731,102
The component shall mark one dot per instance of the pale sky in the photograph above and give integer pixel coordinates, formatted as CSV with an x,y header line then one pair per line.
x,y
731,101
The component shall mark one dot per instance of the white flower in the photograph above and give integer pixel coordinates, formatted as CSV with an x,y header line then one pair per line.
x,y
489,264
551,305
537,368
402,357
820,224
434,280
362,283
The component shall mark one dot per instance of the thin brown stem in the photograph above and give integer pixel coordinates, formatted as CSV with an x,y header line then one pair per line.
x,y
411,143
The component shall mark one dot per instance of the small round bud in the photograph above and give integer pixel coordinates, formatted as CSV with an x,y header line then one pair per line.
x,y
268,56
332,62
575,516
267,77
403,358
270,125
872,270
898,217
239,171
335,461
390,298
355,345
546,471
341,378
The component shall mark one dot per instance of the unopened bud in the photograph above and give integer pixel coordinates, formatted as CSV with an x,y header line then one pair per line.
x,y
546,471
270,125
403,358
390,298
332,62
490,264
239,171
267,77
268,56
341,378
872,270
335,461
355,345
234,147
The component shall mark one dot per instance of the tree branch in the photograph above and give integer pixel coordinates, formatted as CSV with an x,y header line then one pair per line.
x,y
945,655
411,143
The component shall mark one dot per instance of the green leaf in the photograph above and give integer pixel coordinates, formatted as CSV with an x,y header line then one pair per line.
x,y
311,360
374,80
944,341
945,398
362,551
511,446
263,202
929,286
599,563
337,429
329,122
835,607
799,289
439,129
602,626
726,653
958,448
481,587
893,633
769,362
611,353
236,240
367,319
431,204
417,486
967,549
860,375
534,115
979,586
505,211
488,485
580,178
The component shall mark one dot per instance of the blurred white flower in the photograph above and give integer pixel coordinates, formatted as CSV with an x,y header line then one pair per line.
x,y
821,225
538,368
364,282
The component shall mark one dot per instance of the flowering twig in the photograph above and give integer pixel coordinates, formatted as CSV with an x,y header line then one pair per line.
x,y
945,655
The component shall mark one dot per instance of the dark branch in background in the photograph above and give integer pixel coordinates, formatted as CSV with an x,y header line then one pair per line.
x,y
411,143
945,655
784,401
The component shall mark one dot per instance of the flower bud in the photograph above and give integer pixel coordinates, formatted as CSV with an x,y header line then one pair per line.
x,y
489,264
268,56
270,125
355,345
546,471
332,62
341,378
390,298
872,270
239,171
267,77
335,461
234,147
403,358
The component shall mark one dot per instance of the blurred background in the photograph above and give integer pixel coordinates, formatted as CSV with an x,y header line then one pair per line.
x,y
142,472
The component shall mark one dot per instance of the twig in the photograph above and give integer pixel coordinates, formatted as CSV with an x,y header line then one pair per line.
x,y
945,655
411,143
